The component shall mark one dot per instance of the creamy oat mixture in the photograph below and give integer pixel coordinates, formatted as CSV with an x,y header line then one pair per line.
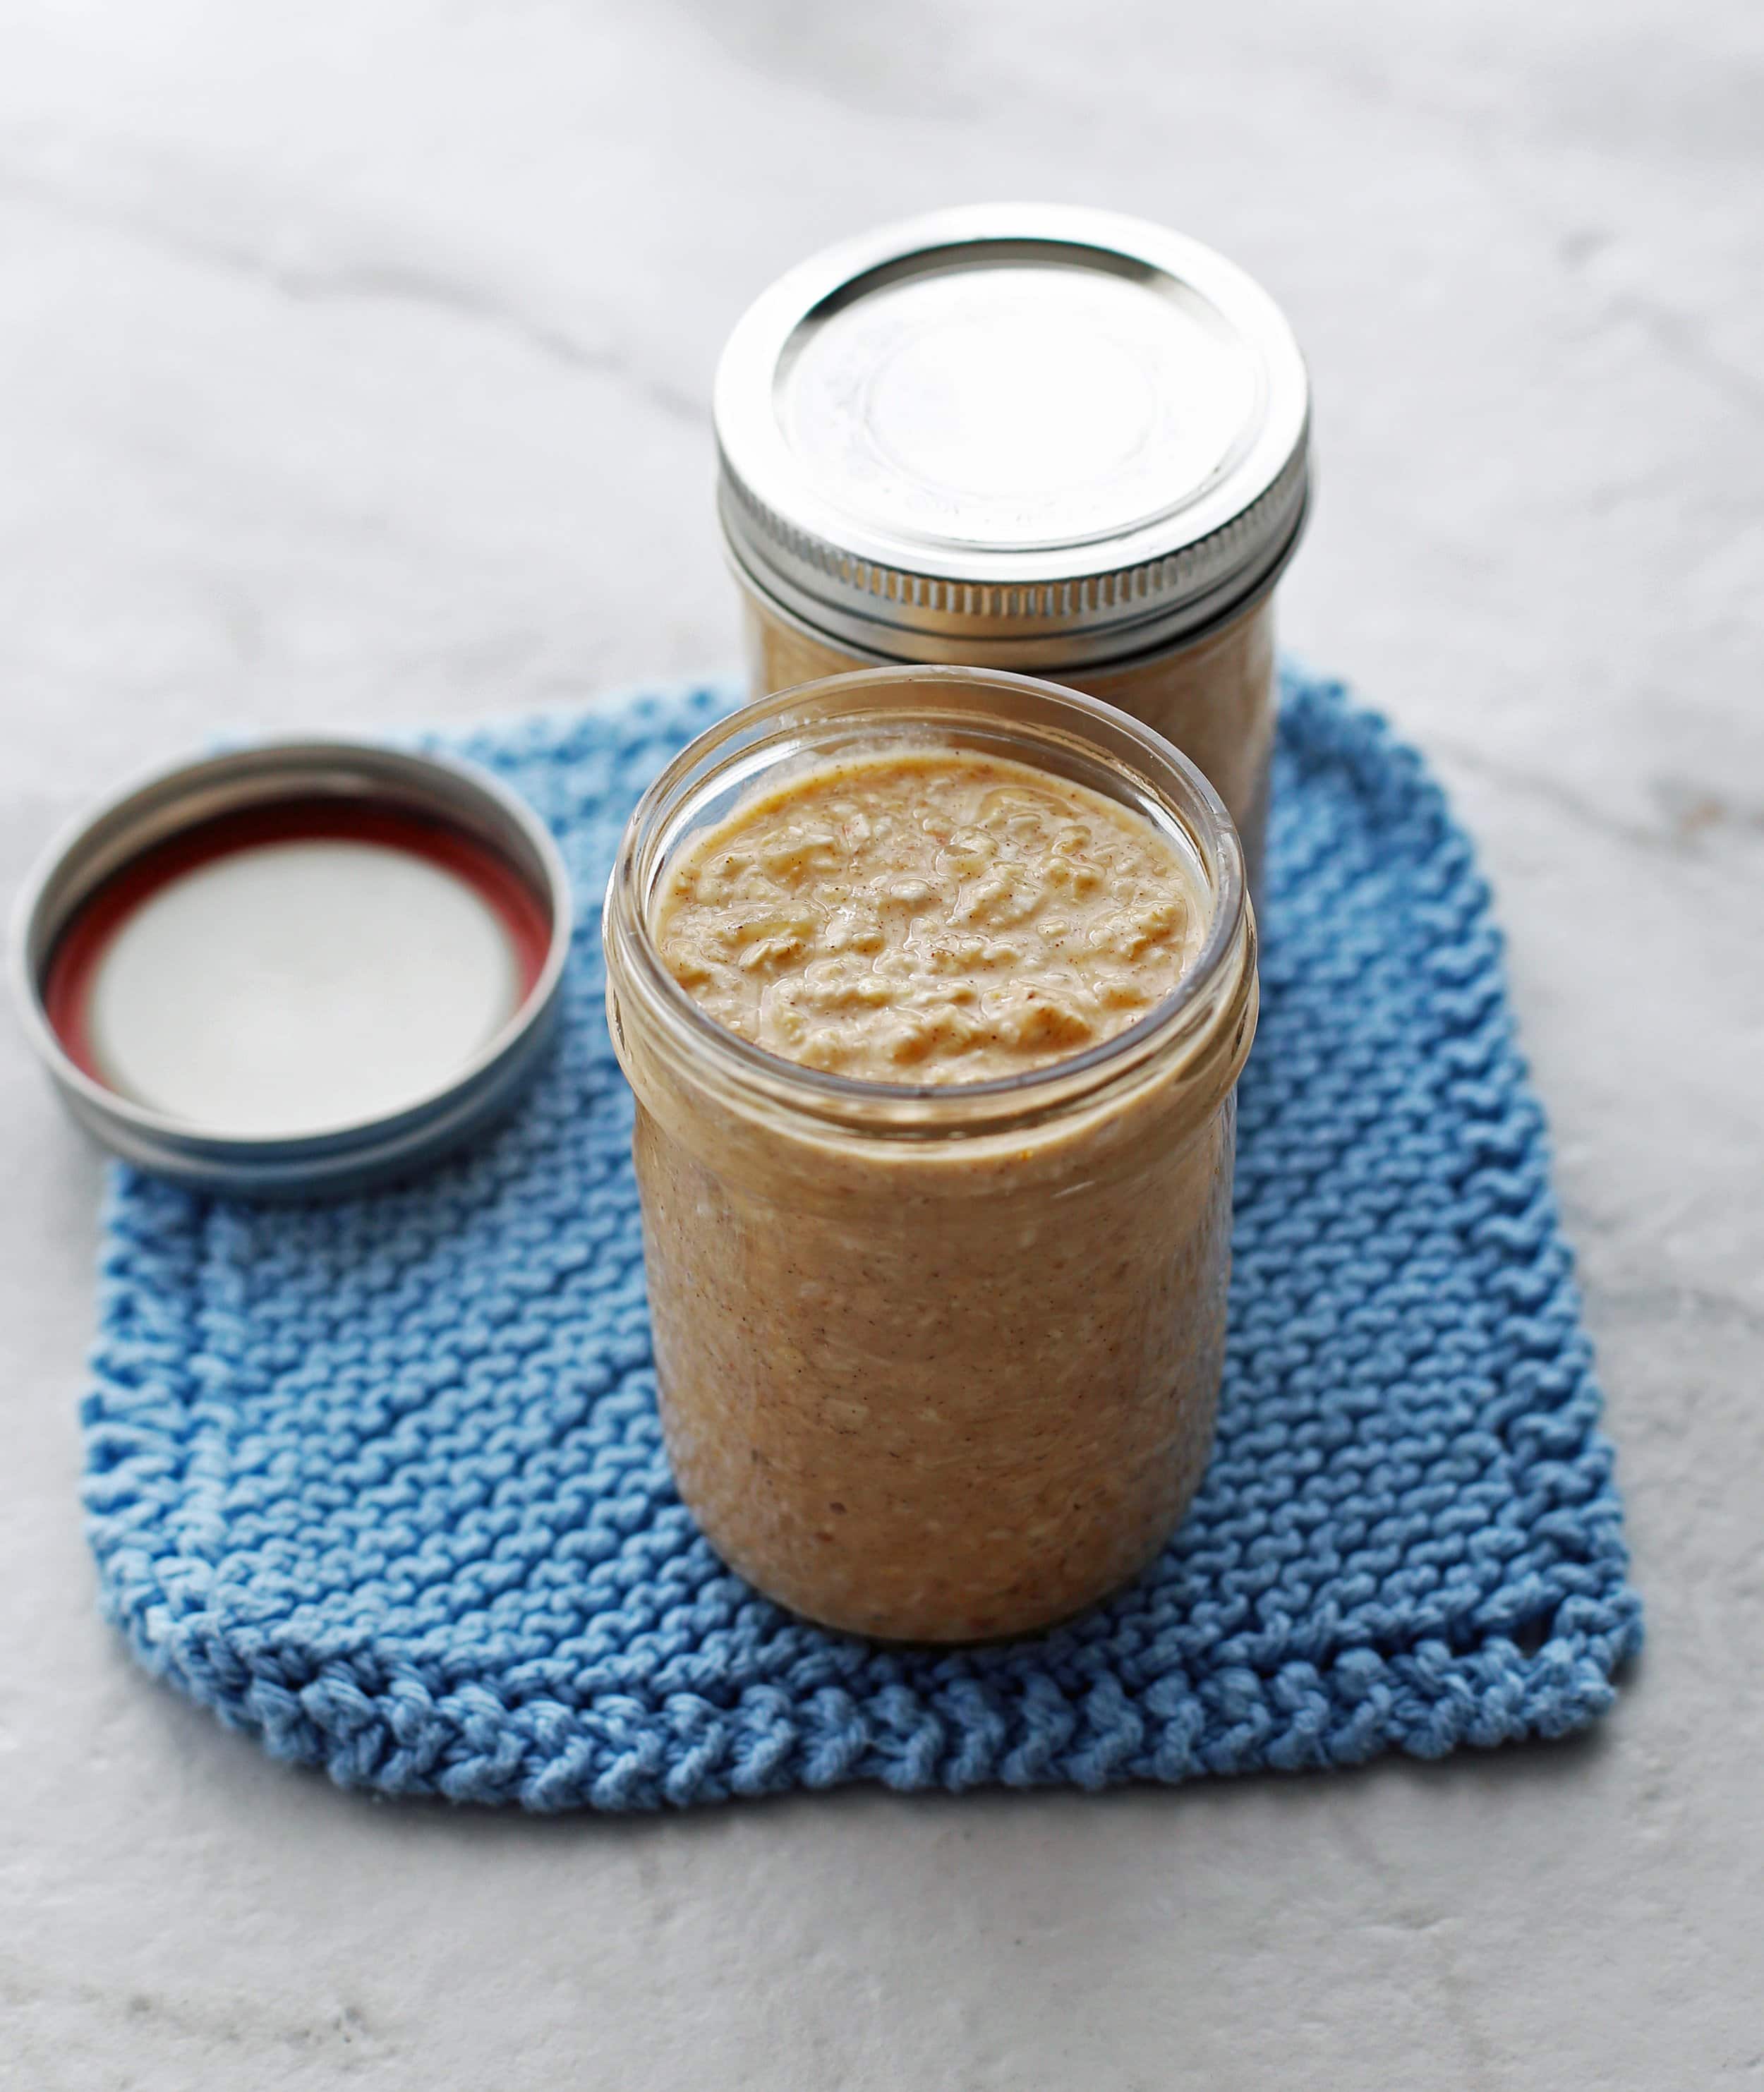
x,y
929,915
944,1389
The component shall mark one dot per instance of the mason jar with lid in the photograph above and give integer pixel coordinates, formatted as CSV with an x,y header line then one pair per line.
x,y
935,1362
1051,440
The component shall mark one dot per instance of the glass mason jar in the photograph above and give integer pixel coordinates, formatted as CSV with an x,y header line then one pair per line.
x,y
1054,441
936,1363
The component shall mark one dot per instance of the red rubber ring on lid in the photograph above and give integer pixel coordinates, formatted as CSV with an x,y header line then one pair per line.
x,y
73,965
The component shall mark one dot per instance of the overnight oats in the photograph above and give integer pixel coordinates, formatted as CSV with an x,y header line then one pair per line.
x,y
933,987
1055,441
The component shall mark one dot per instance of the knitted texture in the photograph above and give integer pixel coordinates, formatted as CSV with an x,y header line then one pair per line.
x,y
381,1482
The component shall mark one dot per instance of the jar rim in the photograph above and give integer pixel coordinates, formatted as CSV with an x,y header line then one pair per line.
x,y
1046,659
1086,731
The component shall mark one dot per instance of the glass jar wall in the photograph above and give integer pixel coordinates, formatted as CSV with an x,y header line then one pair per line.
x,y
937,1363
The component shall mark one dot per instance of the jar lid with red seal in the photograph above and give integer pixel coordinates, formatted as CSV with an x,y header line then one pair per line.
x,y
300,968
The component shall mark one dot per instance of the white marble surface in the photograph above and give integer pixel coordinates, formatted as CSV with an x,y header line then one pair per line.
x,y
352,364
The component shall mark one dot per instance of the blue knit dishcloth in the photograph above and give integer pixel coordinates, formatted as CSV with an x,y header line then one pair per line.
x,y
381,1482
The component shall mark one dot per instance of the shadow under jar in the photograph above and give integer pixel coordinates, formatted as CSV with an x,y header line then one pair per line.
x,y
1055,441
937,1362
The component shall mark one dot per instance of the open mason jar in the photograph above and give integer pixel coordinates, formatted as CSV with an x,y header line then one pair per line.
x,y
1055,441
936,1363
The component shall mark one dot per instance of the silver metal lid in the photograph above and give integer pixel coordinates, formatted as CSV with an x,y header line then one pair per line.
x,y
1012,432
299,968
